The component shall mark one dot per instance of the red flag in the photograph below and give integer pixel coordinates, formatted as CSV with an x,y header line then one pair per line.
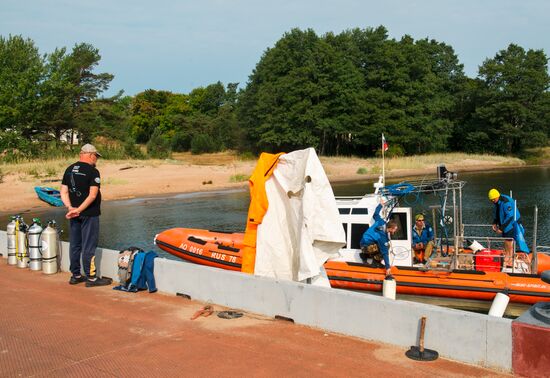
x,y
385,145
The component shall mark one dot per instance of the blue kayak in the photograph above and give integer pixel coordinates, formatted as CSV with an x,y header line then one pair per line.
x,y
49,195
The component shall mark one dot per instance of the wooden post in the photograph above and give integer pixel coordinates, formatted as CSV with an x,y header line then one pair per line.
x,y
422,328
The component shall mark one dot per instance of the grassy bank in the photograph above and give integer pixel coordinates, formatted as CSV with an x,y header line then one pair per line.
x,y
402,165
54,168
537,156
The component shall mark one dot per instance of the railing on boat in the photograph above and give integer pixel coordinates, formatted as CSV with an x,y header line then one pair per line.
x,y
532,262
519,263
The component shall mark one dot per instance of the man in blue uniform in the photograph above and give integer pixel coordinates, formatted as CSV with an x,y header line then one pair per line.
x,y
507,221
376,241
423,237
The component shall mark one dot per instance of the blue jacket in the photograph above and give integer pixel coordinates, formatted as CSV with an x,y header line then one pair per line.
x,y
425,236
504,213
376,234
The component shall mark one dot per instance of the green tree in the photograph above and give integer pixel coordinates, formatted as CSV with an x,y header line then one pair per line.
x,y
105,117
301,93
410,91
206,111
86,85
158,146
339,93
513,108
146,110
70,84
202,143
207,100
21,70
41,98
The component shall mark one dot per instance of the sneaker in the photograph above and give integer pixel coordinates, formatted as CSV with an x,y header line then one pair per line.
x,y
100,281
76,280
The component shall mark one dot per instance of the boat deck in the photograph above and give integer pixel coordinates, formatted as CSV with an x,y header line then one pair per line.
x,y
50,328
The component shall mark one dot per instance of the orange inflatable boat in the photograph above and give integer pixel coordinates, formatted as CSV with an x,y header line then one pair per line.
x,y
212,248
224,250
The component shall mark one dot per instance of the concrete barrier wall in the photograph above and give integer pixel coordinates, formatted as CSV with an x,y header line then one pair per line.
x,y
462,336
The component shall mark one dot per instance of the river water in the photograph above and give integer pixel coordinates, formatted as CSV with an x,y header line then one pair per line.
x,y
135,222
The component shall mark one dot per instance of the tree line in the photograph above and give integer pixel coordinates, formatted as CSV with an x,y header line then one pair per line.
x,y
335,92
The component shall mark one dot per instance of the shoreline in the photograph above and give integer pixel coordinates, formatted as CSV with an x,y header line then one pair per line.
x,y
121,183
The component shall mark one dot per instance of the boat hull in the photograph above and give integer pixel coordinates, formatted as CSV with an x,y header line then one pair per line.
x,y
49,195
521,288
211,248
223,250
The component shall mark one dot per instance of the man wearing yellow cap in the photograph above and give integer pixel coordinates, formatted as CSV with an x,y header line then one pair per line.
x,y
423,236
507,222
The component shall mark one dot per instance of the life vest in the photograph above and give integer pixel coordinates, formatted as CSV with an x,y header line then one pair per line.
x,y
258,207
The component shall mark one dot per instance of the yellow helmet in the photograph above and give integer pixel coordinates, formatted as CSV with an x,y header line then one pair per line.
x,y
493,194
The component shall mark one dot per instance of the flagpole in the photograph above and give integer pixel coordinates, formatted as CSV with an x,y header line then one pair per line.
x,y
383,167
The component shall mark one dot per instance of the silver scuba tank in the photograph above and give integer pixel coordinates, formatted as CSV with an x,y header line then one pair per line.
x,y
12,260
33,238
49,241
21,250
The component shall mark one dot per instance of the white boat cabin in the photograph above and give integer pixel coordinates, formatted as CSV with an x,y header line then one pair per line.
x,y
357,213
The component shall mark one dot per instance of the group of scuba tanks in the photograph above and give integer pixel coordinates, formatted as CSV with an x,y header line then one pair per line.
x,y
32,246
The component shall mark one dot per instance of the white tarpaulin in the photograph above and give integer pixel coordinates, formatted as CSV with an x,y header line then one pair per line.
x,y
301,228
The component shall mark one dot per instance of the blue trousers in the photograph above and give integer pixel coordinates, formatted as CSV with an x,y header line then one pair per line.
x,y
84,234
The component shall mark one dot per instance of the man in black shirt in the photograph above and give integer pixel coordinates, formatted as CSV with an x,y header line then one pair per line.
x,y
80,193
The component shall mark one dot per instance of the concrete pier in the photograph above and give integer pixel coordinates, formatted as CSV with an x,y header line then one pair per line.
x,y
49,328
461,336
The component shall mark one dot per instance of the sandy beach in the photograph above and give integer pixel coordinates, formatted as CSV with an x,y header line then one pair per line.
x,y
186,173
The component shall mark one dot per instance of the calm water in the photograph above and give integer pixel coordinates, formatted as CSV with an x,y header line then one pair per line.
x,y
135,222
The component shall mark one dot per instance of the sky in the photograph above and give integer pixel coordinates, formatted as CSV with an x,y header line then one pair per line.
x,y
181,45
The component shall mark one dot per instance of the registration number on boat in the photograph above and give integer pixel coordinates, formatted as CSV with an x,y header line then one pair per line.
x,y
192,248
224,257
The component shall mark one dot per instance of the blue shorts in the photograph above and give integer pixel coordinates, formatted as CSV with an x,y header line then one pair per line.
x,y
509,234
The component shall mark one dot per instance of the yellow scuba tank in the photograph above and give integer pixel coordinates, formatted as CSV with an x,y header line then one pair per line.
x,y
21,251
49,242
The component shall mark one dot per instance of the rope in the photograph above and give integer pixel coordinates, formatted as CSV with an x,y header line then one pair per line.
x,y
398,189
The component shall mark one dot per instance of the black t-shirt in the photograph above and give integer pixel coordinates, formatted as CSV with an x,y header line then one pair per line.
x,y
79,177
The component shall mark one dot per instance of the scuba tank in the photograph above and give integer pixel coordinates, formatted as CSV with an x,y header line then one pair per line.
x,y
21,251
33,238
12,260
49,241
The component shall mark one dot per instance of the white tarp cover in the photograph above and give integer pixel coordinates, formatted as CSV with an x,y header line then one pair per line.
x,y
301,228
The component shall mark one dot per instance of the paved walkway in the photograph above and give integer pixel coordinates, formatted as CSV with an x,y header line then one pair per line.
x,y
49,328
